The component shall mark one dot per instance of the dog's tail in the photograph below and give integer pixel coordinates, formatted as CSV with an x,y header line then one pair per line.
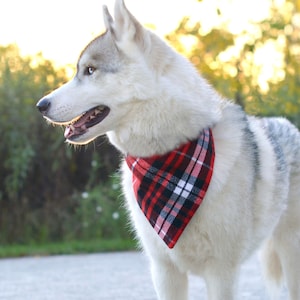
x,y
272,269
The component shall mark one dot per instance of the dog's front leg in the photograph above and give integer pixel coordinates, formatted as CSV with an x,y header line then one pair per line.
x,y
169,282
221,282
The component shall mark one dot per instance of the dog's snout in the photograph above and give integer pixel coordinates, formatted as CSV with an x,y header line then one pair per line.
x,y
43,105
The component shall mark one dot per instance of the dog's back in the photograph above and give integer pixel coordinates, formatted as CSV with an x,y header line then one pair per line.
x,y
281,252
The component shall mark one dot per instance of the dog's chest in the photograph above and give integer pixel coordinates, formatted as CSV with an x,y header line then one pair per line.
x,y
187,253
170,188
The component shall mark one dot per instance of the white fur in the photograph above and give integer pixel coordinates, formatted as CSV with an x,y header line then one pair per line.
x,y
159,101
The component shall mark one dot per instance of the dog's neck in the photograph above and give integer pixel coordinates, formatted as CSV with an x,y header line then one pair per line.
x,y
169,102
158,126
171,105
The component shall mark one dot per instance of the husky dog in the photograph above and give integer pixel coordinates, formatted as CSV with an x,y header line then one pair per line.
x,y
150,101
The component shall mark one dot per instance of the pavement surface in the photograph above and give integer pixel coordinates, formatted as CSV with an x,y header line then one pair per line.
x,y
106,276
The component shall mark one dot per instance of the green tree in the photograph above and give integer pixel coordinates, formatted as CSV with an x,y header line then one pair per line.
x,y
39,174
237,76
20,86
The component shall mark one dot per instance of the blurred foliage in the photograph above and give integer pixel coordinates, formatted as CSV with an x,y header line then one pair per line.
x,y
39,174
51,192
100,212
230,61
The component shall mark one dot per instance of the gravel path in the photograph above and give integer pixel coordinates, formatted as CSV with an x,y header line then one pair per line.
x,y
106,276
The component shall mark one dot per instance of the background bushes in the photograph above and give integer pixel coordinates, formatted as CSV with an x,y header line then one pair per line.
x,y
51,192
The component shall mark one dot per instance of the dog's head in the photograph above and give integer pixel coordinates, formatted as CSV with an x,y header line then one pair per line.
x,y
131,85
112,72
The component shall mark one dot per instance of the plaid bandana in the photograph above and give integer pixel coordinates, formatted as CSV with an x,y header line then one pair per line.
x,y
170,188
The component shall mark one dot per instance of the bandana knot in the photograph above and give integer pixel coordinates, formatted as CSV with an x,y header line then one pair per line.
x,y
170,188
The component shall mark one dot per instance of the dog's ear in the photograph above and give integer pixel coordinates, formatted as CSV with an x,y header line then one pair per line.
x,y
126,28
108,20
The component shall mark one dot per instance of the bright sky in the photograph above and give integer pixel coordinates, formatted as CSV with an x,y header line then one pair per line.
x,y
61,28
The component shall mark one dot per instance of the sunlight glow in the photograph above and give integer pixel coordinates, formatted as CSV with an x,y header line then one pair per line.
x,y
273,71
60,29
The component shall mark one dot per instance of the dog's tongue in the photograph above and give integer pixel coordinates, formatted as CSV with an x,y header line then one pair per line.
x,y
78,127
72,130
68,132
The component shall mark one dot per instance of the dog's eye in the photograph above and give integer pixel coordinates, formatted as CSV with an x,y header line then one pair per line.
x,y
89,70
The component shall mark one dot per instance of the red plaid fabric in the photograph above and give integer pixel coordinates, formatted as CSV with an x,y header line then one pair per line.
x,y
170,188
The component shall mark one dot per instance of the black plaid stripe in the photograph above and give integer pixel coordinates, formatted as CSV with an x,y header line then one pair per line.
x,y
170,188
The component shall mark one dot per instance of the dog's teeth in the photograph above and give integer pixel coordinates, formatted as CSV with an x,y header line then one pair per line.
x,y
72,127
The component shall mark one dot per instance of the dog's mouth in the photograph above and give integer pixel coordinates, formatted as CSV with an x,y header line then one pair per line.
x,y
79,125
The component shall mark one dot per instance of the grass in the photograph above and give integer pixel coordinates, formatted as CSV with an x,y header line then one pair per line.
x,y
70,247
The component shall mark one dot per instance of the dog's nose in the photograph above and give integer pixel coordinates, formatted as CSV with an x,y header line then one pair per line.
x,y
43,105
